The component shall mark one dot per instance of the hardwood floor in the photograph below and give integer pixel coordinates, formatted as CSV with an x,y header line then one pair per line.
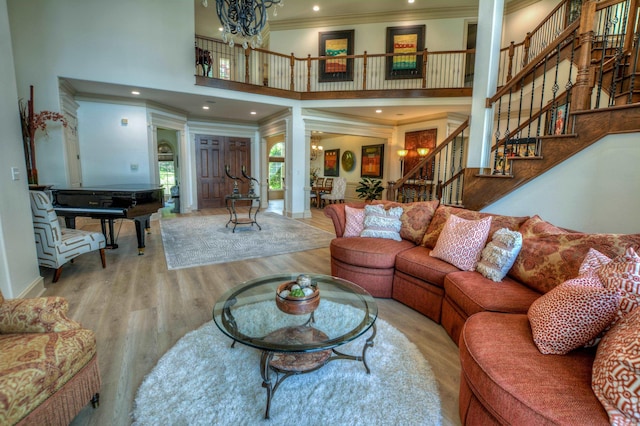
x,y
139,309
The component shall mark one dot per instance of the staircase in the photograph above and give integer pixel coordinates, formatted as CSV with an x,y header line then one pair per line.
x,y
588,73
481,190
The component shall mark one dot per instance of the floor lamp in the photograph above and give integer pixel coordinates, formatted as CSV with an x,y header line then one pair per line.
x,y
422,152
402,153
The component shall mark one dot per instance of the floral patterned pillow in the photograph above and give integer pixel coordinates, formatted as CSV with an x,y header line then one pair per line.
x,y
443,212
461,242
535,225
616,369
547,260
415,218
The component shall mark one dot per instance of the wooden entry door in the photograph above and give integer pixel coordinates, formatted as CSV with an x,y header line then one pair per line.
x,y
212,154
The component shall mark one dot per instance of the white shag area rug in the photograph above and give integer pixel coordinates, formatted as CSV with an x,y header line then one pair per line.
x,y
204,240
203,381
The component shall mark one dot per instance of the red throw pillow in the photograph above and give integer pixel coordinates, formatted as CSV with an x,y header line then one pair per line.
x,y
572,314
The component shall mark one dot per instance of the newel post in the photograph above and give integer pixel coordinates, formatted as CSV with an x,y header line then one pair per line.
x,y
525,53
309,73
247,75
292,64
364,71
424,68
581,97
512,50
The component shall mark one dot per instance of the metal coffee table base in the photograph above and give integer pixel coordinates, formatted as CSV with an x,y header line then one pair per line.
x,y
285,365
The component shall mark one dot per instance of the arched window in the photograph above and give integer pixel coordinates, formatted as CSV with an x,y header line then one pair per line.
x,y
276,166
166,167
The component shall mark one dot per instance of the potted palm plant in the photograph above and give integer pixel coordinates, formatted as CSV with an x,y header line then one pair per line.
x,y
369,189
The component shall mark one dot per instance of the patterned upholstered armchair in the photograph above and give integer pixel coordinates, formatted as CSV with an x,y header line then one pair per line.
x,y
48,363
57,246
337,191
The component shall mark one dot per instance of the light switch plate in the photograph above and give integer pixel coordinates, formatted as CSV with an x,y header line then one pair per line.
x,y
15,173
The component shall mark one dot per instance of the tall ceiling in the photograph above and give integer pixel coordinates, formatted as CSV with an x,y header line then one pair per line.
x,y
295,13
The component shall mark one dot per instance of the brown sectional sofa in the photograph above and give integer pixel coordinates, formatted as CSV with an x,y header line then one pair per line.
x,y
505,379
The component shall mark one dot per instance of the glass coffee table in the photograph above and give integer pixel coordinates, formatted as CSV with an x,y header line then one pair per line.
x,y
296,343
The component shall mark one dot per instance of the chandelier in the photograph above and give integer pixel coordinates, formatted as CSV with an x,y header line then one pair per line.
x,y
244,19
316,148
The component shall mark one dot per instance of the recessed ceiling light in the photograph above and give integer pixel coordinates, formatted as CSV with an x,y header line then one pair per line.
x,y
135,92
220,29
253,113
378,111
205,107
316,8
411,1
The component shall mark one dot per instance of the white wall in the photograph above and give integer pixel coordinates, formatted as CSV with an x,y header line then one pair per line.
x,y
441,34
518,23
596,190
19,271
143,43
111,151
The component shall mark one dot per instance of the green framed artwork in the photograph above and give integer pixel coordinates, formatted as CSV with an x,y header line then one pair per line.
x,y
406,45
348,161
335,45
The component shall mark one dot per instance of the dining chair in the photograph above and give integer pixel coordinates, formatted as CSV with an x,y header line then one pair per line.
x,y
56,245
337,192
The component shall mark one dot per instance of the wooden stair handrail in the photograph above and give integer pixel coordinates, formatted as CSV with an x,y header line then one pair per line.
x,y
533,64
431,155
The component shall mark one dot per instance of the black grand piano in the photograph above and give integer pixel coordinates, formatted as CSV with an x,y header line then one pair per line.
x,y
110,202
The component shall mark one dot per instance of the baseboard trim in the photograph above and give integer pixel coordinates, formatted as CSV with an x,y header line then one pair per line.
x,y
35,289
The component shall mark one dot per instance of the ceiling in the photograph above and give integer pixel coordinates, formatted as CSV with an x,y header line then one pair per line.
x,y
293,11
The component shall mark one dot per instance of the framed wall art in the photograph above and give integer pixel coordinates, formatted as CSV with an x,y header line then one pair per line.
x,y
405,43
335,45
372,161
415,140
332,162
348,161
557,119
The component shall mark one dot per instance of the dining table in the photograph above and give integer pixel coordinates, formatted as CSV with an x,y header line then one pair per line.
x,y
319,190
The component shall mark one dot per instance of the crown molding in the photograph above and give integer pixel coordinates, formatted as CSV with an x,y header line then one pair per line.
x,y
516,5
401,16
368,18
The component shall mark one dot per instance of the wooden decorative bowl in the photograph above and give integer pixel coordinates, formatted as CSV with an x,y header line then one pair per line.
x,y
296,305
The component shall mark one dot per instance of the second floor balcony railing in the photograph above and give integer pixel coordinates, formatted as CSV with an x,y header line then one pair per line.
x,y
446,71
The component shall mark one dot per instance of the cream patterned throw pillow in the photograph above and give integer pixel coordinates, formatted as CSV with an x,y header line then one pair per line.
x,y
498,256
354,222
461,241
381,223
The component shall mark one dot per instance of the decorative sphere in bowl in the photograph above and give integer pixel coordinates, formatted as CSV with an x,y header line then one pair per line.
x,y
295,300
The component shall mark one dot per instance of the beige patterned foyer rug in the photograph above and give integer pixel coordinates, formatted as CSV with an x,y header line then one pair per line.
x,y
204,240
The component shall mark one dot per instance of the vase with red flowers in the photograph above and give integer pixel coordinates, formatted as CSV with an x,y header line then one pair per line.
x,y
30,123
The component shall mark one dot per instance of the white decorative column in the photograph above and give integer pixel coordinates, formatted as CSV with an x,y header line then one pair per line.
x,y
485,80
